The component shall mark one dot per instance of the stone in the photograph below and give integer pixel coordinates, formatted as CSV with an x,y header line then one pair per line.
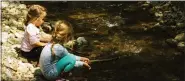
x,y
24,12
81,41
21,67
37,71
3,73
19,34
6,22
13,17
171,41
70,44
158,14
8,73
4,4
15,46
24,60
12,11
157,25
180,37
180,25
46,26
21,19
5,28
22,6
95,42
13,41
4,37
181,44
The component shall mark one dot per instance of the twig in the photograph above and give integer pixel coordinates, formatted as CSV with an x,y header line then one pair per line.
x,y
9,67
104,60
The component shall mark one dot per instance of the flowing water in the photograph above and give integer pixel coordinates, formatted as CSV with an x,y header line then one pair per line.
x,y
143,53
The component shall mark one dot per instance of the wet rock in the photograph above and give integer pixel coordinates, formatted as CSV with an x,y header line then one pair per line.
x,y
81,41
181,44
47,27
37,71
95,42
93,55
172,41
158,14
70,44
180,37
180,25
157,25
115,21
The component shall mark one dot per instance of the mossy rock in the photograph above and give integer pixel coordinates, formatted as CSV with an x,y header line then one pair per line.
x,y
180,37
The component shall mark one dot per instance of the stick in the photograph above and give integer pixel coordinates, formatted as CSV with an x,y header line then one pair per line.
x,y
9,67
104,60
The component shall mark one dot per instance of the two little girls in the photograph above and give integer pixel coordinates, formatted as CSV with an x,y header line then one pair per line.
x,y
54,58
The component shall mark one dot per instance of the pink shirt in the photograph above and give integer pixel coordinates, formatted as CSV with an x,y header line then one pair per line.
x,y
31,36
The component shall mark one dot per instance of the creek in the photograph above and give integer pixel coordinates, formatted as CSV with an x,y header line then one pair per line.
x,y
127,33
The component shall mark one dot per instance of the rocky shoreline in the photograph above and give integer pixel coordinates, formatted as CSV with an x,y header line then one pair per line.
x,y
14,67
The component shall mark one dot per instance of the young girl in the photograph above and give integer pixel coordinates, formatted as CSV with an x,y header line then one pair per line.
x,y
55,59
32,44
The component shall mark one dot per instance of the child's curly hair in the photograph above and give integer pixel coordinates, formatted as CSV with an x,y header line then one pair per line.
x,y
35,12
64,37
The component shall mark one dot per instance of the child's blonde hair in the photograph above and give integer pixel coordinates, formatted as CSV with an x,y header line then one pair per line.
x,y
61,38
66,36
35,12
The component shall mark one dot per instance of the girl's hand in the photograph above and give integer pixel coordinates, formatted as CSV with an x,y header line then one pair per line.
x,y
87,65
84,59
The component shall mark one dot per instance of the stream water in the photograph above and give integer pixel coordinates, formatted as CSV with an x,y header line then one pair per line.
x,y
144,55
142,50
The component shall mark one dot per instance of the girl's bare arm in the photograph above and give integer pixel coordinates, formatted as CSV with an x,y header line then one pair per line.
x,y
40,44
45,37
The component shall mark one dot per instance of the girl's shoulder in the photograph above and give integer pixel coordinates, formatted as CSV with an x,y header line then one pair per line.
x,y
31,28
59,47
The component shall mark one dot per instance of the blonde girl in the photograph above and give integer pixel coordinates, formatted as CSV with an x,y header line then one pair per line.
x,y
32,44
55,59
